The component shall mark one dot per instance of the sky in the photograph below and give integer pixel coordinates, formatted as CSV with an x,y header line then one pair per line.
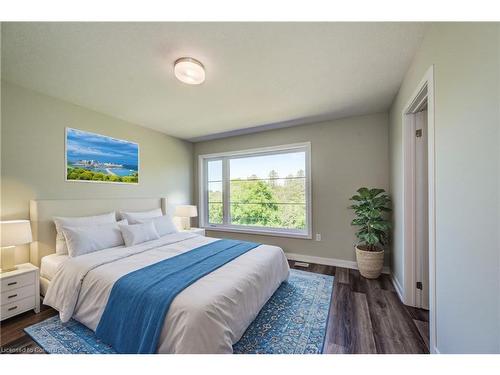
x,y
91,146
260,166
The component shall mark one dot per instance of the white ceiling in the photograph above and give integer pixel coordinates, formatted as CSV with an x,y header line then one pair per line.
x,y
258,74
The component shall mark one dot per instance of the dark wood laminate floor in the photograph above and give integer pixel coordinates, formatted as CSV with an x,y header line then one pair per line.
x,y
366,316
13,340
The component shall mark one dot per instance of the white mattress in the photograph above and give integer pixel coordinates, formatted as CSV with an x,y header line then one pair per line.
x,y
50,265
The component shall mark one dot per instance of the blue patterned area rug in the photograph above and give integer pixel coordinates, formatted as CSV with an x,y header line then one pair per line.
x,y
293,321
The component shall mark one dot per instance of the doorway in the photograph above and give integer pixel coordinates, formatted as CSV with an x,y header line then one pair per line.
x,y
419,205
421,209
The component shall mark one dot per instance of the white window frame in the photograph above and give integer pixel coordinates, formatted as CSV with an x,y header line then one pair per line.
x,y
262,151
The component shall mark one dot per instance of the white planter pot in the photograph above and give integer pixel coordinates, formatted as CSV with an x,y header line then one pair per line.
x,y
370,263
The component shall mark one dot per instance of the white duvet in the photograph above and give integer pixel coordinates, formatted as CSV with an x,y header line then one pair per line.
x,y
209,316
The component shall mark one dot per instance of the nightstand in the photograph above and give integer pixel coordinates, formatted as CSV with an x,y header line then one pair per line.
x,y
199,231
20,290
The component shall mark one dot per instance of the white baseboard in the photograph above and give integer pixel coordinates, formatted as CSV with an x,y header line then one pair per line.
x,y
328,261
397,286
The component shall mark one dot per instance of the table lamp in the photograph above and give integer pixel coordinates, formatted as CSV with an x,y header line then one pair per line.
x,y
186,212
12,233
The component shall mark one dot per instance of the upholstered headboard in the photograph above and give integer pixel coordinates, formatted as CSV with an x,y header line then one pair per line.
x,y
43,211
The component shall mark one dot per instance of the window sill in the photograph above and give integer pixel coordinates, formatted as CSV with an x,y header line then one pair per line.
x,y
263,232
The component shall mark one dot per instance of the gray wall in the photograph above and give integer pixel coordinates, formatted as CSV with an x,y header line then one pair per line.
x,y
32,155
467,100
346,154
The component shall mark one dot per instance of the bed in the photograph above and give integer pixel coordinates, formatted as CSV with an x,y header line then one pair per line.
x,y
49,265
208,316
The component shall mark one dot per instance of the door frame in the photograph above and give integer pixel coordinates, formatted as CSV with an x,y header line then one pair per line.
x,y
424,91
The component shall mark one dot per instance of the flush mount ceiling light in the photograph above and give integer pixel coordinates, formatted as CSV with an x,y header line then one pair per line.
x,y
189,70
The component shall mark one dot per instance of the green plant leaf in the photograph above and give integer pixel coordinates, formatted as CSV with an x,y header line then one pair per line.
x,y
375,192
359,221
381,226
364,192
374,213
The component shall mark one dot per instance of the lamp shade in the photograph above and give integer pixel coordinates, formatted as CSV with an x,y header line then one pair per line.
x,y
15,232
186,211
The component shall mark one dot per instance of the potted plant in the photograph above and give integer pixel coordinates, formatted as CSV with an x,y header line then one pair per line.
x,y
371,207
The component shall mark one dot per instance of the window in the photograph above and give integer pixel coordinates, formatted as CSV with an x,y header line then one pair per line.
x,y
263,191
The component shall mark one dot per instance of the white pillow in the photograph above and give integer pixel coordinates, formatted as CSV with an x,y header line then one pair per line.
x,y
134,217
87,239
139,233
163,225
60,222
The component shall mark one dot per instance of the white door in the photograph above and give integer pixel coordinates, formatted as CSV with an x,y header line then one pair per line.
x,y
421,211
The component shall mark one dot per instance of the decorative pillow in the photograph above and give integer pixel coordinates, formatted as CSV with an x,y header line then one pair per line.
x,y
139,233
87,239
82,221
134,217
163,225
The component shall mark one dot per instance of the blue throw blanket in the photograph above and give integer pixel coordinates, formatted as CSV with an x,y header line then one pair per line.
x,y
134,315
